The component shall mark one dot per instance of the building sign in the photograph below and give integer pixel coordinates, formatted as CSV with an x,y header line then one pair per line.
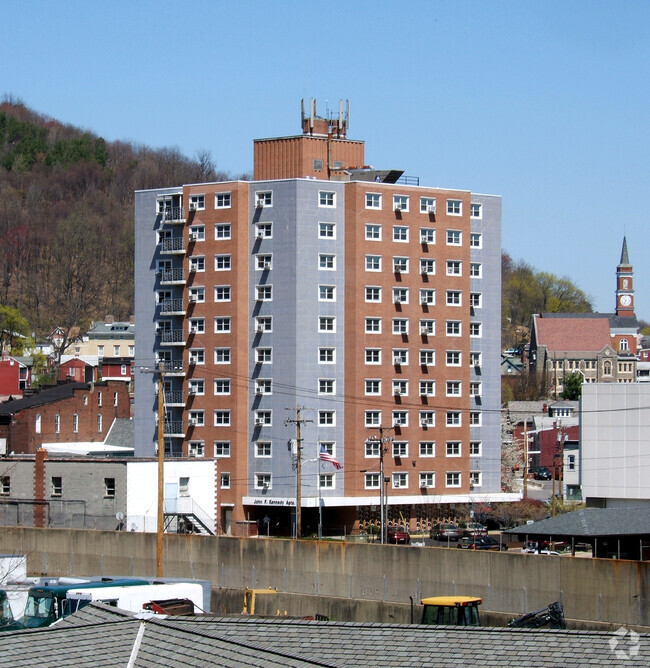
x,y
268,501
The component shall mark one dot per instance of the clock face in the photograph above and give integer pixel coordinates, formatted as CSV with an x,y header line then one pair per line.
x,y
625,300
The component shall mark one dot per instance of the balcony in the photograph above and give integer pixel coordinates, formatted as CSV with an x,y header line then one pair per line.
x,y
173,215
172,307
174,398
171,337
173,246
172,276
174,429
174,368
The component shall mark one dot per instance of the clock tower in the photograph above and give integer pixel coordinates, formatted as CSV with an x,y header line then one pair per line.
x,y
624,285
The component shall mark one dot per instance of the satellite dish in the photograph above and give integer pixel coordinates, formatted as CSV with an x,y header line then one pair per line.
x,y
119,516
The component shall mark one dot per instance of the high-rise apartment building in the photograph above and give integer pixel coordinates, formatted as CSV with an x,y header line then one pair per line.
x,y
324,308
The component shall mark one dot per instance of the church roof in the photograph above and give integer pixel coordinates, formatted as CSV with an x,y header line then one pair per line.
x,y
573,333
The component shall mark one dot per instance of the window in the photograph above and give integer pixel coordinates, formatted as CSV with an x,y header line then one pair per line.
x,y
196,449
263,418
221,293
371,481
326,418
263,355
475,329
427,388
222,200
373,447
263,262
475,210
263,449
262,481
427,204
197,356
221,386
373,294
222,325
475,418
400,480
427,448
373,262
197,232
328,446
400,295
453,448
115,398
264,198
327,199
5,485
400,449
373,232
326,261
571,462
100,423
325,386
222,355
373,325
222,448
475,359
454,238
453,328
427,235
75,423
373,355
183,486
427,357
264,386
372,386
221,418
454,268
197,202
326,480
197,263
326,323
453,419
326,355
427,479
100,350
400,203
400,326
56,486
196,418
263,293
475,478
475,299
37,423
373,418
326,293
197,325
452,479
400,265
123,369
428,327
400,419
453,388
427,266
109,488
454,207
222,231
224,480
116,351
373,201
400,357
427,297
264,230
475,240
400,233
454,298
475,448
99,398
474,389
400,388
475,269
427,418
327,231
198,294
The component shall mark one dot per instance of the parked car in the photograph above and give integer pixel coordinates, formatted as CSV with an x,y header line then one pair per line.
x,y
481,543
474,529
398,535
542,473
444,531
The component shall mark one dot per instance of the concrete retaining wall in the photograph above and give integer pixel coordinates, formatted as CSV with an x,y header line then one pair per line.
x,y
599,590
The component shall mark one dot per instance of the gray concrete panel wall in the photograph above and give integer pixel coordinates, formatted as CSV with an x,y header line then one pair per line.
x,y
601,590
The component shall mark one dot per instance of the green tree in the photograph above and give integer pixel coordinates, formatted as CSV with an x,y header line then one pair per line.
x,y
572,386
13,327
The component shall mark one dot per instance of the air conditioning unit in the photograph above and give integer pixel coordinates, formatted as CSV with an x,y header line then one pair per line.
x,y
192,422
424,422
397,423
425,301
431,208
191,391
194,330
397,207
260,202
260,329
192,361
267,265
424,239
398,270
194,236
424,331
259,390
259,422
423,485
397,360
194,206
397,300
192,269
193,298
424,272
398,393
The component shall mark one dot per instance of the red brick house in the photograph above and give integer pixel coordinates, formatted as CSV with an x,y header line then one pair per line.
x,y
68,412
15,375
79,370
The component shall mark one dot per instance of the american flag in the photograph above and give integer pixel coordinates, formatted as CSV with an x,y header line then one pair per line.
x,y
326,457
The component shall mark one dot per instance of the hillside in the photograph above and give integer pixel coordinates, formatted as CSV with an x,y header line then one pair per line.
x,y
66,216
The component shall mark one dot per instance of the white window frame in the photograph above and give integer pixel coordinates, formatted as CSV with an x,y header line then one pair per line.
x,y
326,324
326,293
372,418
428,205
453,479
372,356
222,200
454,207
372,325
427,479
453,419
453,449
372,387
222,324
400,480
428,236
454,238
223,262
401,203
475,210
373,201
327,199
475,240
401,234
327,262
373,262
427,357
263,198
373,232
326,355
222,231
475,330
326,230
373,294
222,293
427,448
326,418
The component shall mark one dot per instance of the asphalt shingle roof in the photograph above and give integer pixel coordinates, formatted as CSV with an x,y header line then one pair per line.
x,y
50,395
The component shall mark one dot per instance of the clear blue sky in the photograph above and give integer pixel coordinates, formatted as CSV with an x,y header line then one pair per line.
x,y
545,103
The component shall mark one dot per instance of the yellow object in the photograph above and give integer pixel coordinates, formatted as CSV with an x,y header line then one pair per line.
x,y
249,598
454,601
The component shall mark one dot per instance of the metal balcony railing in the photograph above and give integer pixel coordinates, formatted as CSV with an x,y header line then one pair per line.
x,y
172,275
171,336
174,367
174,398
173,245
172,306
173,214
174,428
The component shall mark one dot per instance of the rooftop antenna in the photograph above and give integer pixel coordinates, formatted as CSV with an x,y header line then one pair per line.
x,y
312,114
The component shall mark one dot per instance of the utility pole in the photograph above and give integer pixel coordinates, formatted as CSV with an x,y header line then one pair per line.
x,y
525,458
298,422
161,464
383,448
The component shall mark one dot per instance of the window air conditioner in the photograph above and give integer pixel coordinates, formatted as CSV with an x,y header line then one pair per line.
x,y
397,360
191,422
424,301
431,208
424,239
260,202
192,361
267,265
424,422
424,272
397,207
424,330
260,329
398,300
192,391
259,421
193,298
398,393
259,390
194,206
194,236
423,485
194,330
